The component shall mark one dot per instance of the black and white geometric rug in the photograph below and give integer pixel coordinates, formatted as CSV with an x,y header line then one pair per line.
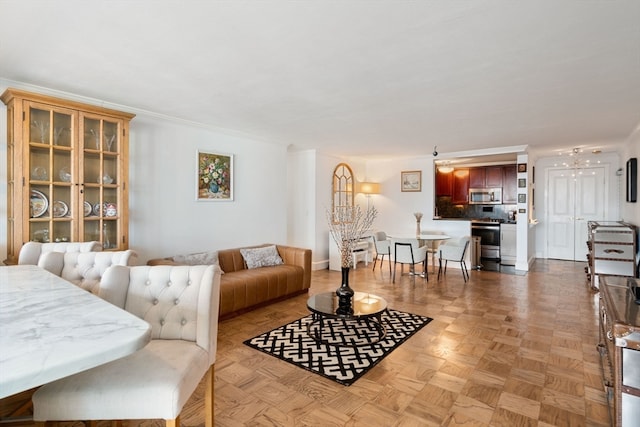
x,y
343,364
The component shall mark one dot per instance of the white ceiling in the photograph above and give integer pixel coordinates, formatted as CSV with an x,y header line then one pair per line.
x,y
358,78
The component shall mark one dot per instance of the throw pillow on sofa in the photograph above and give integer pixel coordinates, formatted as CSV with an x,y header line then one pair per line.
x,y
200,258
261,257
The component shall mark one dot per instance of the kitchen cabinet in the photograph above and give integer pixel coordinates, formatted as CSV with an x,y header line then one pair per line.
x,y
619,346
460,186
493,176
486,177
509,185
67,172
508,244
477,177
443,183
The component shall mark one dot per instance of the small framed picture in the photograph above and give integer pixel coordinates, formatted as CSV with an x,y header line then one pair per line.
x,y
522,183
522,167
214,176
411,180
521,210
522,198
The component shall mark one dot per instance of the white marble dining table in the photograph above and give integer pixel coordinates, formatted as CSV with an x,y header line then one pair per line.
x,y
50,328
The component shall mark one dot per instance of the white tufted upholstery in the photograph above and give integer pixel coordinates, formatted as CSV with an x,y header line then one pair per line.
x,y
181,303
32,253
85,269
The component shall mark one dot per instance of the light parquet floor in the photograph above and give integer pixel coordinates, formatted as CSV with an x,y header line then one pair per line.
x,y
503,350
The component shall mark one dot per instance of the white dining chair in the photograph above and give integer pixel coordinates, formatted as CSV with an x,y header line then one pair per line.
x,y
454,250
35,253
433,246
181,303
382,246
409,251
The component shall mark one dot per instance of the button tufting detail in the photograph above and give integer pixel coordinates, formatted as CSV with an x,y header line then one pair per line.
x,y
176,301
183,322
169,283
155,301
148,282
161,322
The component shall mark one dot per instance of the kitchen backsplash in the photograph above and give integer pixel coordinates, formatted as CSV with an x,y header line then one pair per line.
x,y
446,210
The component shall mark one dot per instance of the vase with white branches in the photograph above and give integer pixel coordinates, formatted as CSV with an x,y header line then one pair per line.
x,y
347,226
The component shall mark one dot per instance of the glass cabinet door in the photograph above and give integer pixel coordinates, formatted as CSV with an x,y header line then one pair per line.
x,y
52,197
101,174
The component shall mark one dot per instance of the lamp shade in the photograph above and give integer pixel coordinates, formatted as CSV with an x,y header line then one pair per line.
x,y
445,169
369,188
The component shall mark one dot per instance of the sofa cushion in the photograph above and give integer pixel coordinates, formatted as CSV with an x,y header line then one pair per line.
x,y
198,258
261,257
245,289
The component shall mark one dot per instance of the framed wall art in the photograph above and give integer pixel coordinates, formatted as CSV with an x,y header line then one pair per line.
x,y
522,183
632,180
522,167
411,180
522,198
214,176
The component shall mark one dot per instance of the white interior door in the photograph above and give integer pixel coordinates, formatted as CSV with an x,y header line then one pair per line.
x,y
574,199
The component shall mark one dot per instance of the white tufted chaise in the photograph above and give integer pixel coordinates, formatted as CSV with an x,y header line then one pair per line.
x,y
35,253
181,303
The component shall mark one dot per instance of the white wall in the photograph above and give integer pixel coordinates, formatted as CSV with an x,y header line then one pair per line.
x,y
630,212
165,218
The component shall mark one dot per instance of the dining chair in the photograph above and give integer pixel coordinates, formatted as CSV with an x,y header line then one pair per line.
x,y
409,251
433,246
383,247
454,250
34,253
181,303
85,269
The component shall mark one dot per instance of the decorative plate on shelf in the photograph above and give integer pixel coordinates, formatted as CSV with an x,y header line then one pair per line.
x,y
65,175
110,209
59,209
38,203
88,209
97,209
39,173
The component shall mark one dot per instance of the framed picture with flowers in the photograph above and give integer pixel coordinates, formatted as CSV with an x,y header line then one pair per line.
x,y
215,176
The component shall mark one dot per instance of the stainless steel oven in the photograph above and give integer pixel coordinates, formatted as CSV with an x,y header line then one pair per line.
x,y
489,233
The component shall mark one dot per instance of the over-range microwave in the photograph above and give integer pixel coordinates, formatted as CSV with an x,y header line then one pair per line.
x,y
485,196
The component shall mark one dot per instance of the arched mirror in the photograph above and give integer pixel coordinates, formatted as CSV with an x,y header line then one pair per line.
x,y
342,196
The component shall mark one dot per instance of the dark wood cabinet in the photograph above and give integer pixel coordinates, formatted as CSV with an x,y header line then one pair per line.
x,y
443,183
486,177
493,176
477,177
509,184
460,186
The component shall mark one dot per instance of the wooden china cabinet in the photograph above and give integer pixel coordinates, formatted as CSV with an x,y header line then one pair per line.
x,y
67,172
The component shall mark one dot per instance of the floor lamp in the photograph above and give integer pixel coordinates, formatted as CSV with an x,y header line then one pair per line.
x,y
369,188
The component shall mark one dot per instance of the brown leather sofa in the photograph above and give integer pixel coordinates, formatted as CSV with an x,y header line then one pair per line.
x,y
243,289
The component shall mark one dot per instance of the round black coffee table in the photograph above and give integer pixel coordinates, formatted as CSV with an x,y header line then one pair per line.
x,y
362,326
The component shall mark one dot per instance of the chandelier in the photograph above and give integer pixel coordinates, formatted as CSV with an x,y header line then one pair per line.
x,y
576,161
444,167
